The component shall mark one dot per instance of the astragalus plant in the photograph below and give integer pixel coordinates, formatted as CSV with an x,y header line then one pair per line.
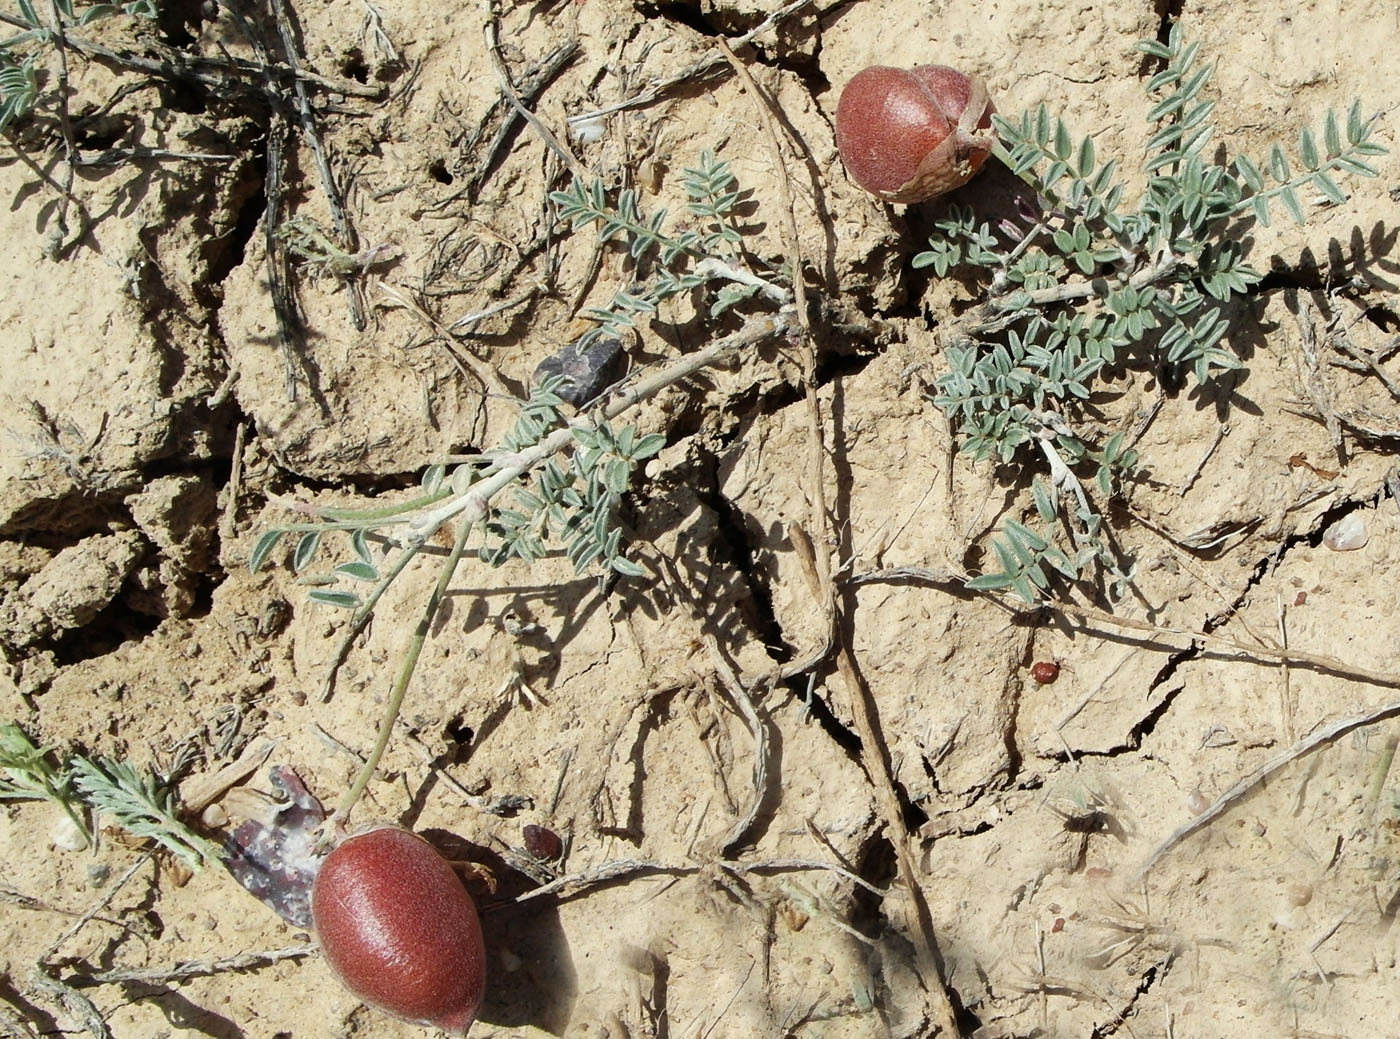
x,y
1083,285
555,481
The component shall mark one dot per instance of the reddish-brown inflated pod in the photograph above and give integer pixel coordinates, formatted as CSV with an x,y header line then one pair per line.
x,y
399,929
908,135
1045,671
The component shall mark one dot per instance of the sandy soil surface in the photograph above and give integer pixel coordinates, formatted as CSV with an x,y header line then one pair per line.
x,y
156,426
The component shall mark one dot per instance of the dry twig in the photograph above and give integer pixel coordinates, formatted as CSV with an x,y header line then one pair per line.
x,y
1310,371
1210,643
223,76
508,91
94,909
740,695
532,83
1321,738
575,883
709,63
12,1026
73,1002
307,117
194,968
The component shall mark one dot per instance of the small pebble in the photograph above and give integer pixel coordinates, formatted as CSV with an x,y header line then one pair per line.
x,y
1347,534
590,371
67,835
587,131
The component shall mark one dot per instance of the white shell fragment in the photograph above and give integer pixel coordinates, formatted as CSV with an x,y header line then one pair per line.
x,y
67,836
586,131
1347,534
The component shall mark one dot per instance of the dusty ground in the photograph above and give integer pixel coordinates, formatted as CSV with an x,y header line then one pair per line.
x,y
155,428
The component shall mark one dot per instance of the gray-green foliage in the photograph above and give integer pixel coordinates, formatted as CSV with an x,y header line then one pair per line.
x,y
27,774
1089,285
685,260
571,499
19,81
139,802
556,478
567,497
141,805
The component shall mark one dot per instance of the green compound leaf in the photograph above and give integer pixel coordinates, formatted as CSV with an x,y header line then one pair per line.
x,y
142,806
1329,188
359,543
1307,149
1289,197
1356,126
1331,136
990,582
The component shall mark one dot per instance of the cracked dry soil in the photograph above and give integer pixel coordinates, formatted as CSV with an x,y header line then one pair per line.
x,y
155,427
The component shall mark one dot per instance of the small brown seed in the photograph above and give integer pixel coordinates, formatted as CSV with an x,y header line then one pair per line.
x,y
541,843
1045,671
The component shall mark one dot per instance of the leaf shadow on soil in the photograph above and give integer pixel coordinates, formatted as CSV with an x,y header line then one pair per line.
x,y
1366,256
184,1014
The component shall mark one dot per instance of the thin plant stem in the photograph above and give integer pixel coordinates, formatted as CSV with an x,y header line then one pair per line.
x,y
507,468
396,695
361,617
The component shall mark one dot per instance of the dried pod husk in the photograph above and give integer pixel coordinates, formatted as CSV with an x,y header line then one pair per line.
x,y
399,929
908,135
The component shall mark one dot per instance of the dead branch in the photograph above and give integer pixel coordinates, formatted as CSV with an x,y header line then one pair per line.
x,y
1321,738
194,968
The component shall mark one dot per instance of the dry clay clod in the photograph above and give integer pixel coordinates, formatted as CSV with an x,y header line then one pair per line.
x,y
909,135
399,929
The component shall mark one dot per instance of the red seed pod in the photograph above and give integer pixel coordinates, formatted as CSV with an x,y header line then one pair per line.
x,y
399,929
1045,671
908,135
